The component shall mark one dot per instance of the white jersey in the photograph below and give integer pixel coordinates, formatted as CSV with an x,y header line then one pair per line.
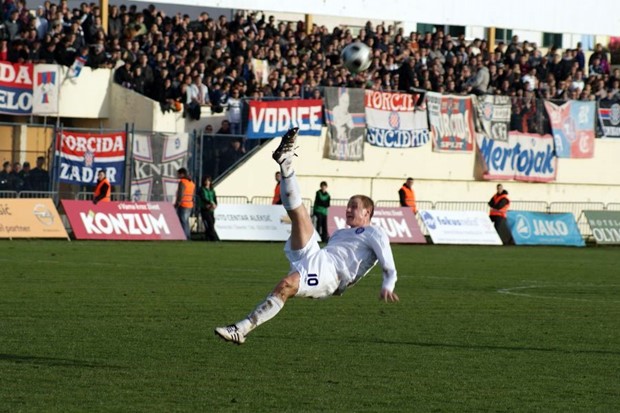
x,y
355,251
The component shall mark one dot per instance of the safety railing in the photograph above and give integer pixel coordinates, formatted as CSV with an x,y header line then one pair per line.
x,y
613,206
461,206
8,194
532,206
233,199
577,208
114,196
261,200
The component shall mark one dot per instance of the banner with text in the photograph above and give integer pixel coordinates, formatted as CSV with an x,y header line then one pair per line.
x,y
460,227
272,119
155,160
572,125
395,120
30,218
609,115
539,228
493,118
400,224
130,221
524,157
452,122
346,123
248,222
16,82
46,89
80,156
605,226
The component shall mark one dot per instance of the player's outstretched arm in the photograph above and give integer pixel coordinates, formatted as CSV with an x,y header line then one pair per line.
x,y
388,296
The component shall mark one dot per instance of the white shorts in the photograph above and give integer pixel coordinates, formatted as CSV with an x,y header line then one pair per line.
x,y
318,278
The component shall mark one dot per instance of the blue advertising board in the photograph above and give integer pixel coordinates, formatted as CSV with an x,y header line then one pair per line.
x,y
539,228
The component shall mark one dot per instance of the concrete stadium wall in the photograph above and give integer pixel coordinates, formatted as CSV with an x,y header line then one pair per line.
x,y
439,176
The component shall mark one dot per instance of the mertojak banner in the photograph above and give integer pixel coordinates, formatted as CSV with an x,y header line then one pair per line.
x,y
132,221
80,156
452,122
346,123
400,224
395,120
605,226
493,118
572,125
609,115
16,88
539,228
272,119
155,161
525,157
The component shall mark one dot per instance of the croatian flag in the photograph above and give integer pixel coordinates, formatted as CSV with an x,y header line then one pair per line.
x,y
46,89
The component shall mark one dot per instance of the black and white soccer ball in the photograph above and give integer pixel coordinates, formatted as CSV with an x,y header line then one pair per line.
x,y
356,57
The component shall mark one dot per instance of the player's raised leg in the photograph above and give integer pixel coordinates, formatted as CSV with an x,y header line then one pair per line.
x,y
302,229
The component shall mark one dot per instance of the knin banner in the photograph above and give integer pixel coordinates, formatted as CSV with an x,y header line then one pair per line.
x,y
572,125
394,120
346,123
80,156
493,118
131,221
609,116
524,157
452,122
272,119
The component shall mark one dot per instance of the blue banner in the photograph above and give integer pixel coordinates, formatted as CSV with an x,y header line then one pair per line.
x,y
538,228
272,119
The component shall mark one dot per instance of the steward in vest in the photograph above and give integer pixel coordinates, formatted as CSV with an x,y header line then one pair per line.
x,y
277,199
407,196
185,200
103,189
499,204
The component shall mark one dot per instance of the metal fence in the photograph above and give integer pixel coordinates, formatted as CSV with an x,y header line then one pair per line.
x,y
114,196
577,208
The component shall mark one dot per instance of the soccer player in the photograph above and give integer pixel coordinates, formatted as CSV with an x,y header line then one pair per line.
x,y
317,273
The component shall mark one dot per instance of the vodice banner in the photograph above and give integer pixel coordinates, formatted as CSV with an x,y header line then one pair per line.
x,y
452,122
80,156
247,222
155,161
399,223
525,157
123,220
539,228
493,117
46,89
16,88
609,115
572,125
30,218
460,227
395,120
272,119
346,123
605,226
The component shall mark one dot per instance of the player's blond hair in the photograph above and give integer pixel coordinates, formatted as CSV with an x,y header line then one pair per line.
x,y
367,203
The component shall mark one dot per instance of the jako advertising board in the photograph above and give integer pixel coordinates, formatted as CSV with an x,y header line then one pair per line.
x,y
399,224
605,226
460,227
123,220
539,228
30,218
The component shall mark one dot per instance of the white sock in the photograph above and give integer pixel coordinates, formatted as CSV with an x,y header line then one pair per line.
x,y
286,167
290,192
265,311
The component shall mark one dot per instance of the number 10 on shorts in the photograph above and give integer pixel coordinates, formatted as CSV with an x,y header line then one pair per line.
x,y
312,280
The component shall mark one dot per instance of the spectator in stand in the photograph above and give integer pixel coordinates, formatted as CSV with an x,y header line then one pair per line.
x,y
24,176
321,204
277,199
18,183
232,155
39,177
406,195
233,112
6,180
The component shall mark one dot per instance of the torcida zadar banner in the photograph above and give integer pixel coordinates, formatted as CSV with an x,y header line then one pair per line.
x,y
123,220
30,218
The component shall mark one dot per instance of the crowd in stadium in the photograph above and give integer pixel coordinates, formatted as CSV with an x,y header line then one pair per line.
x,y
186,62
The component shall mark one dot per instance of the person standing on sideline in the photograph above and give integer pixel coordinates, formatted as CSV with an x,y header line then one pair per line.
x,y
208,203
103,190
499,204
406,195
321,203
39,177
185,200
277,199
319,273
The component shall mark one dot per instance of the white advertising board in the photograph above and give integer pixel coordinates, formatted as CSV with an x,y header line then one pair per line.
x,y
247,222
460,227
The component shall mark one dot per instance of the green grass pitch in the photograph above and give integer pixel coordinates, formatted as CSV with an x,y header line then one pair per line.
x,y
128,327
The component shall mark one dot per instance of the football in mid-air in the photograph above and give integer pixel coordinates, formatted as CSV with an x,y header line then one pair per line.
x,y
356,57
